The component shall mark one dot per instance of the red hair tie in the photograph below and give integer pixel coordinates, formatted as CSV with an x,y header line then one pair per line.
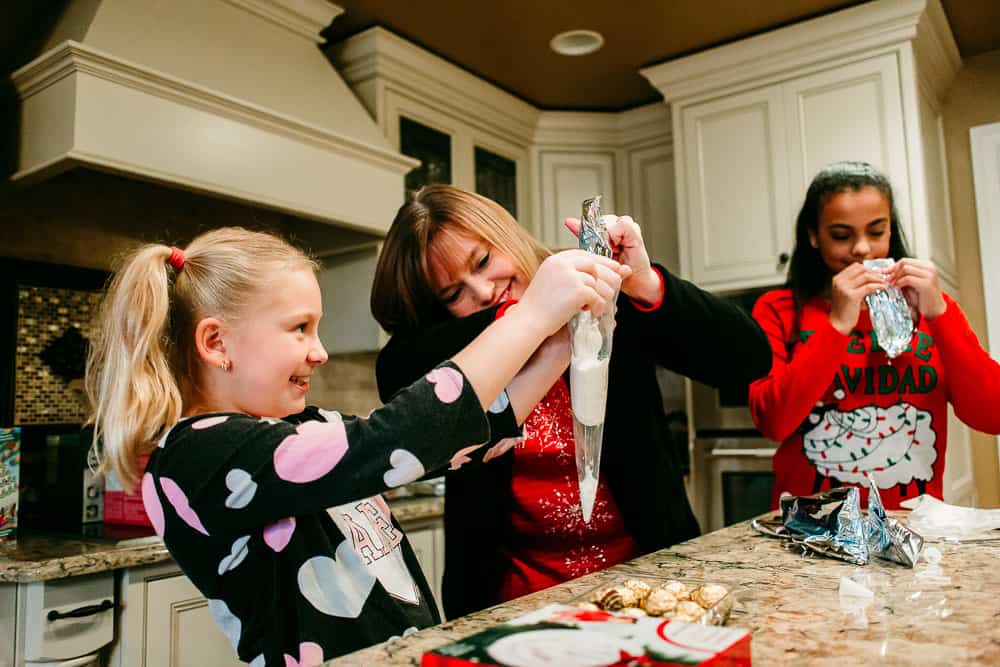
x,y
176,258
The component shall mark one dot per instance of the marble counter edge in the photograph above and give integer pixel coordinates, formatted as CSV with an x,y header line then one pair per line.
x,y
30,561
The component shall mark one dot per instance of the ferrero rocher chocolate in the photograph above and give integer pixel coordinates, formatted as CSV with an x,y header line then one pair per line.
x,y
640,588
635,598
688,611
660,602
679,589
708,595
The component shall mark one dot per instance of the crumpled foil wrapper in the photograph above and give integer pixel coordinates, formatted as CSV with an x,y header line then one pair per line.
x,y
888,538
830,524
825,524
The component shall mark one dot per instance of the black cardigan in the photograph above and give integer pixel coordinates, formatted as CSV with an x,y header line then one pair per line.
x,y
693,333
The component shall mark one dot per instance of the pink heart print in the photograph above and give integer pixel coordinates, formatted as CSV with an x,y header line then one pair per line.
x,y
279,534
447,384
209,422
461,457
152,503
179,500
314,450
310,655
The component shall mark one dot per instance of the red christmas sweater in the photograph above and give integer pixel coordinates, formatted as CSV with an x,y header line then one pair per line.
x,y
841,409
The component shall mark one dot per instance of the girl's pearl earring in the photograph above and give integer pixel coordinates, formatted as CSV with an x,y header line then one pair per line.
x,y
225,365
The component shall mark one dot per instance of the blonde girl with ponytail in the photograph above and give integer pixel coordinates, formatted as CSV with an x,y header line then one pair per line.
x,y
202,358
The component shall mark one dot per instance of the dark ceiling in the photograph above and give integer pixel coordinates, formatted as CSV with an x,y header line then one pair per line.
x,y
507,42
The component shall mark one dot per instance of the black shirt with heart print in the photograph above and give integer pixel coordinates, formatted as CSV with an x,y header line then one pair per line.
x,y
281,525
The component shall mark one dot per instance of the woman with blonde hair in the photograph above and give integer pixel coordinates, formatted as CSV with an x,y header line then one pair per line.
x,y
452,263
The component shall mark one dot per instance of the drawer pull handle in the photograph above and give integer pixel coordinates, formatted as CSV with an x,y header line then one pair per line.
x,y
89,610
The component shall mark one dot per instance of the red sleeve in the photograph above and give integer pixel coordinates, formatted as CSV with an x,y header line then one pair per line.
x,y
973,376
782,399
648,308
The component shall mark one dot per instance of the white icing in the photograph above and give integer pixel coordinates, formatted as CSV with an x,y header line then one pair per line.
x,y
588,382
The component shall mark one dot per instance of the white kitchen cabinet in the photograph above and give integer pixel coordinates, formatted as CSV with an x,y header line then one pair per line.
x,y
756,119
734,201
653,201
626,157
57,621
427,540
567,178
165,621
395,79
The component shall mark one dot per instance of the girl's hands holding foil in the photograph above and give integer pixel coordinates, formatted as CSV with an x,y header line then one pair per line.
x,y
627,247
918,279
848,290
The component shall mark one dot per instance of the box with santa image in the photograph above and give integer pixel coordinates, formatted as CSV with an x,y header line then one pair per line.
x,y
573,637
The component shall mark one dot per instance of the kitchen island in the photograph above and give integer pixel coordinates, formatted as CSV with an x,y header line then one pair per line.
x,y
939,614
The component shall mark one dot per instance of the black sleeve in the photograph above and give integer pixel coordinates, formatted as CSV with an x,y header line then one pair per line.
x,y
408,356
239,472
699,335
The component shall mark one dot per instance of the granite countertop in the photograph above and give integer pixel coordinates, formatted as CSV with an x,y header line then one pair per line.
x,y
930,615
43,556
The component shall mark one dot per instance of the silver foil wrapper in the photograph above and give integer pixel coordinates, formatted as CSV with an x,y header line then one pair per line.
x,y
890,313
593,234
828,524
888,538
849,540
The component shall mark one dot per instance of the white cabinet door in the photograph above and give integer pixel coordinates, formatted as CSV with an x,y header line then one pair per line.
x,y
733,190
428,545
180,629
567,178
654,202
852,112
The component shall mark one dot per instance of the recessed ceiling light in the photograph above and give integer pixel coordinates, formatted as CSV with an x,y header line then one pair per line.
x,y
576,42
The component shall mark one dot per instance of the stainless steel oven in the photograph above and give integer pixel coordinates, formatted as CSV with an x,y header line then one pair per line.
x,y
731,478
731,470
723,409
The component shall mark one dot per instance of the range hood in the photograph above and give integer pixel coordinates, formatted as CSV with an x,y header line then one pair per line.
x,y
226,97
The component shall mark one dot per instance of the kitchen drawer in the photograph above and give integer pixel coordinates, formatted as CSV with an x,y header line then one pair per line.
x,y
68,618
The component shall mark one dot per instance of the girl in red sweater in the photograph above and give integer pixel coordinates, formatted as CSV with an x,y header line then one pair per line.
x,y
835,401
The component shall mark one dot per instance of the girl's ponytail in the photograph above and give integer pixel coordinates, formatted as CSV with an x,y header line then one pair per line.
x,y
130,383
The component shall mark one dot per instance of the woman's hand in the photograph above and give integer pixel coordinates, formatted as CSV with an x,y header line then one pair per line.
x,y
918,279
568,282
849,288
628,248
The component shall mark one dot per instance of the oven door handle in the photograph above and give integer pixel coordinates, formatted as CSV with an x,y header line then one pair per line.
x,y
744,453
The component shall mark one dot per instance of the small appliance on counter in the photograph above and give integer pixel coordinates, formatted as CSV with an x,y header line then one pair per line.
x,y
61,492
121,507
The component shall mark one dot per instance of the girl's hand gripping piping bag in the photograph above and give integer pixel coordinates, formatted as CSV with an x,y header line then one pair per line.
x,y
590,351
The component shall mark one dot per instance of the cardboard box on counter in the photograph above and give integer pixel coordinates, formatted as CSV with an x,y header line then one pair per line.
x,y
569,636
121,507
10,466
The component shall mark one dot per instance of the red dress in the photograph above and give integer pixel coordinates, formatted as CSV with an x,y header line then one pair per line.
x,y
551,543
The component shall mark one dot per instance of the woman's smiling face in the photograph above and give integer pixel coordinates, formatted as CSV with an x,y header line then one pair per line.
x,y
468,274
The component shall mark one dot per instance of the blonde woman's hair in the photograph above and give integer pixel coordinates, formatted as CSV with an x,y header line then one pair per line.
x,y
403,297
143,367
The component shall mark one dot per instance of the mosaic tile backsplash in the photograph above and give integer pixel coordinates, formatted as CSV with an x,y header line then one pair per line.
x,y
52,325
